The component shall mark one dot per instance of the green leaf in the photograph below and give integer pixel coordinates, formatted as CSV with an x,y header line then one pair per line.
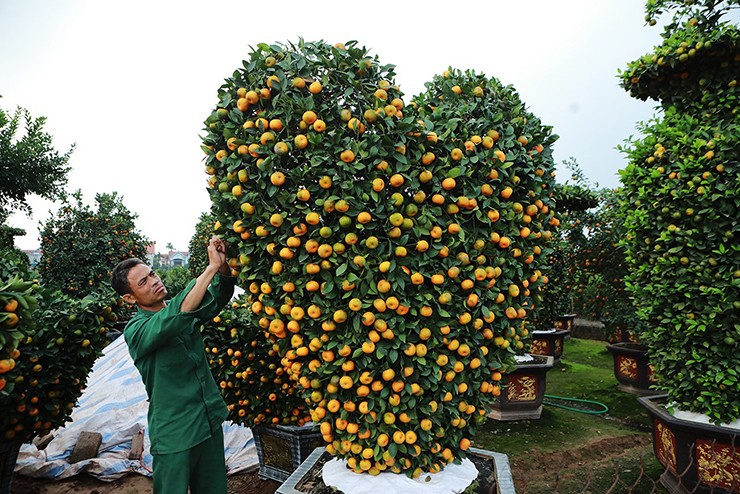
x,y
341,269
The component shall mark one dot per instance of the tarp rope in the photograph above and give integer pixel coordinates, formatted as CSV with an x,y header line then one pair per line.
x,y
603,408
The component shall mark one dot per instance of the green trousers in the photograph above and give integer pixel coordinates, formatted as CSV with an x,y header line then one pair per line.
x,y
202,468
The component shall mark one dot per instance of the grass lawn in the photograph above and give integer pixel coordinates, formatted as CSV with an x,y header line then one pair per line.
x,y
585,371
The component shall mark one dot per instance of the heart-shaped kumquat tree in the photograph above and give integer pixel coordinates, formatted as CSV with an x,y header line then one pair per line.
x,y
390,253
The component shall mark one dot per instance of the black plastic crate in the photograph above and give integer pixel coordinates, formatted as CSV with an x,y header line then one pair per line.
x,y
282,448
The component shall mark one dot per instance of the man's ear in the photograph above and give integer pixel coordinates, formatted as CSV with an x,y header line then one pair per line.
x,y
129,298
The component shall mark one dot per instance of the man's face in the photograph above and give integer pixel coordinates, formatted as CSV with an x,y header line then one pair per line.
x,y
146,287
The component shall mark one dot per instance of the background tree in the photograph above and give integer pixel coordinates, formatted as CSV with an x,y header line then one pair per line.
x,y
574,198
198,247
175,279
29,164
91,240
12,259
601,268
588,263
157,261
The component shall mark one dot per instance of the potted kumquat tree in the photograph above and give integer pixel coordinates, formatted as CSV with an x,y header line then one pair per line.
x,y
679,200
389,251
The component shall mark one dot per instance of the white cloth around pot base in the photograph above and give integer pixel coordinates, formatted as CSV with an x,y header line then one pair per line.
x,y
453,479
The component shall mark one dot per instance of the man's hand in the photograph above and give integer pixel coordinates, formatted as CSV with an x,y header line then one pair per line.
x,y
216,263
217,255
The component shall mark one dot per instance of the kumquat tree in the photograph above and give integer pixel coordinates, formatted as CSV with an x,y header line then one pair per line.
x,y
55,325
390,252
679,202
49,341
17,303
252,378
52,363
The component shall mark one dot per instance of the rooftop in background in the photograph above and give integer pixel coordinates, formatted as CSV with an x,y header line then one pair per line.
x,y
169,259
34,256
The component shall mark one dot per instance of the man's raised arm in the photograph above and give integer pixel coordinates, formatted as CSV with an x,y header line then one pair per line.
x,y
216,264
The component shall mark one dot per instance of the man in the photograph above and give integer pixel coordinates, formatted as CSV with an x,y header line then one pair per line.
x,y
185,407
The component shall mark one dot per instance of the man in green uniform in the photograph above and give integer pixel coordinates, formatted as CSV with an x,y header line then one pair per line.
x,y
185,407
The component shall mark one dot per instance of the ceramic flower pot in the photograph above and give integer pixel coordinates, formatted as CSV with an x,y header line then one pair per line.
x,y
524,392
548,343
634,373
698,458
565,322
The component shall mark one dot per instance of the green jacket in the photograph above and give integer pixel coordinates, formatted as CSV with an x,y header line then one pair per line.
x,y
185,405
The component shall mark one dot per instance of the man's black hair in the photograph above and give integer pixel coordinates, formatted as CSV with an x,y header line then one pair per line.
x,y
119,277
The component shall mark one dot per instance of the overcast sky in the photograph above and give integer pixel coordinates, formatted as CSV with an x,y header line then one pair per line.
x,y
132,82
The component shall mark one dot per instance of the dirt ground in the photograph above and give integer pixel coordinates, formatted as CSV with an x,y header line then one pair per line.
x,y
538,469
241,483
541,472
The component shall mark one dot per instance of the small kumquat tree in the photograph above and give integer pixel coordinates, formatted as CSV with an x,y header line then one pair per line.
x,y
17,303
53,345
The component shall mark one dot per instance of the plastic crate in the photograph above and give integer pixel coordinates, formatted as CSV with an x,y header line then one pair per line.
x,y
282,448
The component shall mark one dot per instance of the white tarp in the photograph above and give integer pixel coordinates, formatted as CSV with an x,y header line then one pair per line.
x,y
115,405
